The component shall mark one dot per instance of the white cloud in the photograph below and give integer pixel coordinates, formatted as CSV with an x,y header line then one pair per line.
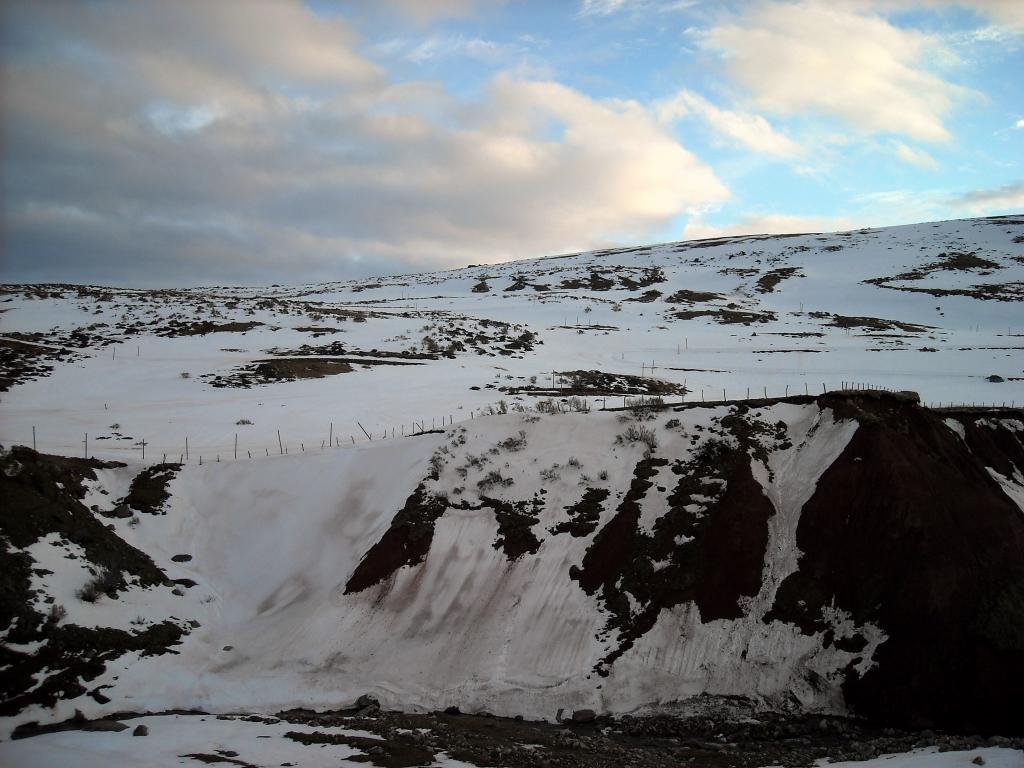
x,y
427,10
447,46
1019,123
609,7
1009,13
766,224
602,7
1009,197
917,157
750,130
799,56
314,164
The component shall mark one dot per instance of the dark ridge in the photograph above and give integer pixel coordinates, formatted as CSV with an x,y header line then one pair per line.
x,y
41,495
69,659
515,525
612,548
725,316
684,296
149,492
583,515
34,504
203,327
993,443
713,556
769,280
406,542
908,530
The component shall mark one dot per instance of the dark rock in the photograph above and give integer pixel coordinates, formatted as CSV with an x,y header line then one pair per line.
x,y
583,715
453,710
367,700
104,725
181,558
140,730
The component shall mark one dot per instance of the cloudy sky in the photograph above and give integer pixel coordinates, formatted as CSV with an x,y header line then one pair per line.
x,y
247,141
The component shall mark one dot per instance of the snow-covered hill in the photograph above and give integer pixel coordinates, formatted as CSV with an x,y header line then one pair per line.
x,y
619,481
934,308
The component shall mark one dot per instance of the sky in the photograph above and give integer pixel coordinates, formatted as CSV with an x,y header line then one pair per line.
x,y
180,142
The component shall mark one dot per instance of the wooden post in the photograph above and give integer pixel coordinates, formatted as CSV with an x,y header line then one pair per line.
x,y
143,444
236,445
33,438
364,432
186,448
330,434
280,445
86,441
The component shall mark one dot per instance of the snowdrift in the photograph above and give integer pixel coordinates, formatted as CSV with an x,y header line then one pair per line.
x,y
851,552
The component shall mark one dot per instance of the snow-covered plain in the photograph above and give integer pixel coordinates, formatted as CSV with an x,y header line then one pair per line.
x,y
615,311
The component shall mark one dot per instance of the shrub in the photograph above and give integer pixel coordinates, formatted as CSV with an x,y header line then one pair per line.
x,y
514,443
243,422
185,375
55,614
550,474
574,462
579,404
100,584
436,465
638,434
602,475
492,479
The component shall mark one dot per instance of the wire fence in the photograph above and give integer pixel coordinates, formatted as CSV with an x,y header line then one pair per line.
x,y
334,437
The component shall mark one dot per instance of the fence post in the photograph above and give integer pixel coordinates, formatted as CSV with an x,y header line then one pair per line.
x,y
280,445
236,445
33,438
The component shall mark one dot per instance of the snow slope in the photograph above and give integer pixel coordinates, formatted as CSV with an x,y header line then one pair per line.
x,y
459,568
933,308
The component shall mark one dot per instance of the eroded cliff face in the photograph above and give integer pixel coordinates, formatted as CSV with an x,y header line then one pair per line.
x,y
849,552
909,530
